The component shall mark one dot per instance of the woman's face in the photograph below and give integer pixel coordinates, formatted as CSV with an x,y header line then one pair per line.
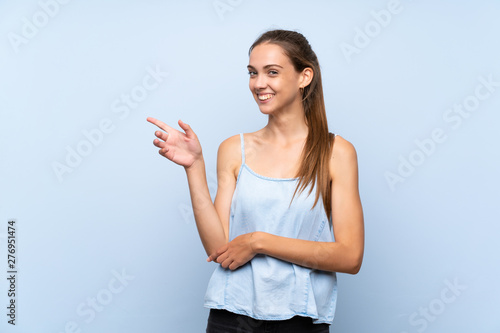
x,y
274,82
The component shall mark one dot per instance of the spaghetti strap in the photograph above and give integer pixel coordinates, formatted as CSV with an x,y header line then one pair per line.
x,y
242,149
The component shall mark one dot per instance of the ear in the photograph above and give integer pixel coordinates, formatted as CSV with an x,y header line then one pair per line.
x,y
306,77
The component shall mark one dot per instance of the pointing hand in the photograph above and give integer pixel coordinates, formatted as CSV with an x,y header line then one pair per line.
x,y
181,148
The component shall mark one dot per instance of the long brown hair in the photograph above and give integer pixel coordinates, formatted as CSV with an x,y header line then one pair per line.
x,y
314,168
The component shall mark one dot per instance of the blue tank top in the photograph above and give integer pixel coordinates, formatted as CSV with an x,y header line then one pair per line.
x,y
267,288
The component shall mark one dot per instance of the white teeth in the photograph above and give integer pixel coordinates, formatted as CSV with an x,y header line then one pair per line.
x,y
264,97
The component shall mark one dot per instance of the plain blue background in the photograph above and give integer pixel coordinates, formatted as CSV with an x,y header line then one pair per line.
x,y
431,259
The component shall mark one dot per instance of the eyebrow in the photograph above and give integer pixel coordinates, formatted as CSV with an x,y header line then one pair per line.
x,y
266,66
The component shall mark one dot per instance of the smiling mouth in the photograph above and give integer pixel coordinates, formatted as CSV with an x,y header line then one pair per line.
x,y
265,97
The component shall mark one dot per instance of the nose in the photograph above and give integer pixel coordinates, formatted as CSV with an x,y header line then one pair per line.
x,y
260,81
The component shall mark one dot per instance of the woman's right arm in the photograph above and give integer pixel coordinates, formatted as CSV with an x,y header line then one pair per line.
x,y
212,220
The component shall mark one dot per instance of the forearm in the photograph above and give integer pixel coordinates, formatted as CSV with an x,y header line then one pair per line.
x,y
207,220
327,256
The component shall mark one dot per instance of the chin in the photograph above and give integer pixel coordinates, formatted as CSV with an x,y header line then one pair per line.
x,y
266,111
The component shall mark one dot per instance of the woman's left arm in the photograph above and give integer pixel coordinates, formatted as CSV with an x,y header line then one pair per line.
x,y
344,255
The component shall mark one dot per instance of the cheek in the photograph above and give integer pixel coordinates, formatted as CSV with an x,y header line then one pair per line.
x,y
251,86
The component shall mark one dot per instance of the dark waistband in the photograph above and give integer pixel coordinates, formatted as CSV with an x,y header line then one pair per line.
x,y
228,317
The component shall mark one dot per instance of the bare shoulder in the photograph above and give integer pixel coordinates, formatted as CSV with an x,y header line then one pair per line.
x,y
229,154
342,148
344,156
230,144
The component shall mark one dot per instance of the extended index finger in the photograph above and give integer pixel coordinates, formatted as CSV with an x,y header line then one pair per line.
x,y
160,124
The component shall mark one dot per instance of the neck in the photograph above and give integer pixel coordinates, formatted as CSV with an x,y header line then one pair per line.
x,y
287,126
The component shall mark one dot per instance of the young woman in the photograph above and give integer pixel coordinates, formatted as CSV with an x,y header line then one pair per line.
x,y
287,214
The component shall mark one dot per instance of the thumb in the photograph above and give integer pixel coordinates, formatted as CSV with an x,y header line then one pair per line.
x,y
187,129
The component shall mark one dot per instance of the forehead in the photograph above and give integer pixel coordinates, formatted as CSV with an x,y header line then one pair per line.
x,y
265,54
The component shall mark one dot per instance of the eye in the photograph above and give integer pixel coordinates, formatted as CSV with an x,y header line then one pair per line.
x,y
273,72
252,73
